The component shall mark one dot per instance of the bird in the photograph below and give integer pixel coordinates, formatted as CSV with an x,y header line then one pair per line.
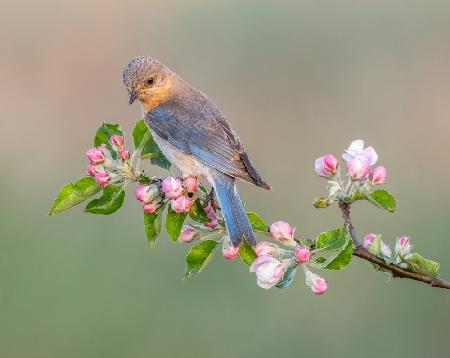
x,y
195,137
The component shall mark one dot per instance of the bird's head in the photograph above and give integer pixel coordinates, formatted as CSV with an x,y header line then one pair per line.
x,y
147,80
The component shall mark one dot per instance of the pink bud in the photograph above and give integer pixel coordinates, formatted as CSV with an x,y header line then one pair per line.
x,y
93,169
368,239
151,207
379,175
181,204
124,154
269,271
326,165
283,232
317,284
212,223
358,167
146,193
187,233
95,155
265,248
386,250
229,251
102,178
117,140
302,254
403,247
172,187
190,184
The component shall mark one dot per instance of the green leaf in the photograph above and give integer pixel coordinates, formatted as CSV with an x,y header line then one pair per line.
x,y
197,213
152,225
375,246
383,199
288,277
419,264
246,252
174,223
199,256
73,194
257,223
143,138
111,201
104,134
342,259
332,240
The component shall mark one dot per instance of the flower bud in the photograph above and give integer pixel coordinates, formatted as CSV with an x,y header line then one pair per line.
x,y
181,204
326,165
190,184
386,250
403,246
172,187
268,269
229,251
265,248
124,154
302,254
150,208
283,232
146,193
96,155
358,167
117,140
187,233
102,178
317,284
368,239
379,175
93,169
212,223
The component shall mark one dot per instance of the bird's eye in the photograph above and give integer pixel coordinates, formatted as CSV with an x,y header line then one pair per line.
x,y
151,80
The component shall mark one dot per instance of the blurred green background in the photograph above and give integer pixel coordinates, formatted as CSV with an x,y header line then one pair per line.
x,y
296,79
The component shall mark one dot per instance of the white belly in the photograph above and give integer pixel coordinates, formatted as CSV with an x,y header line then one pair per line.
x,y
186,164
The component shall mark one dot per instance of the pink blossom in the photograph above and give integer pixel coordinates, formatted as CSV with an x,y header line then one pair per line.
x,y
229,251
265,248
403,247
102,178
326,165
386,250
96,155
93,169
117,140
358,167
146,193
283,232
190,184
172,187
379,175
124,154
150,208
368,239
187,233
356,149
212,223
181,204
302,254
317,284
269,271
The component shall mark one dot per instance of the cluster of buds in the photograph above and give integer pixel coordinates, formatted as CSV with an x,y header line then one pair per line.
x,y
104,168
360,169
149,196
402,249
178,191
272,261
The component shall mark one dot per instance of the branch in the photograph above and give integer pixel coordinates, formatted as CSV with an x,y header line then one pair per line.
x,y
395,270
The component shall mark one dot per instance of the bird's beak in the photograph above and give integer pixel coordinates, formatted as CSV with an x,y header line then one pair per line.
x,y
132,97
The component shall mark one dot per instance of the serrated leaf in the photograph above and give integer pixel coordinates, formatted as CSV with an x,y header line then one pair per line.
x,y
288,276
199,256
197,213
174,223
332,240
104,134
383,199
342,259
422,265
256,222
143,138
246,252
73,194
152,225
111,201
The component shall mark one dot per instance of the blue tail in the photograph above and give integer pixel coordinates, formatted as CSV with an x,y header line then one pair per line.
x,y
236,220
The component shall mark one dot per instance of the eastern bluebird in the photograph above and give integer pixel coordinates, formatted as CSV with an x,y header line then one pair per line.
x,y
194,136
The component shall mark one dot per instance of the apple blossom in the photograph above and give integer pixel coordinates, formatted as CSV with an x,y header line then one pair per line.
x,y
92,169
356,149
368,239
317,284
190,184
326,165
265,248
96,155
302,254
283,232
187,233
403,246
181,204
229,251
124,154
358,167
146,193
379,175
172,187
151,207
103,178
268,269
117,140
